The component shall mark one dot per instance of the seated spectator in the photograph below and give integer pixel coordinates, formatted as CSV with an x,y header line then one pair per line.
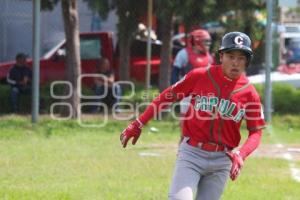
x,y
19,78
106,84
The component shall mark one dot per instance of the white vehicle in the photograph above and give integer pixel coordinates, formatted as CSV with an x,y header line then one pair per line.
x,y
277,77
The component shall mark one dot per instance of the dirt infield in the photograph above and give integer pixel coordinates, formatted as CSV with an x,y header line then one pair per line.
x,y
278,151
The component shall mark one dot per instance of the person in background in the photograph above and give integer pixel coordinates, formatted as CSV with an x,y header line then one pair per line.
x,y
195,55
19,78
106,86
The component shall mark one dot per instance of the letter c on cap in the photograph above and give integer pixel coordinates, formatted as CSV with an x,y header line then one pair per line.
x,y
238,40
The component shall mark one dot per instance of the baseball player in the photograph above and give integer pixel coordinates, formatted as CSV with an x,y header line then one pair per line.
x,y
195,55
210,155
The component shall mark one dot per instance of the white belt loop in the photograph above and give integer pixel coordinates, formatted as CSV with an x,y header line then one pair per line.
x,y
217,146
200,145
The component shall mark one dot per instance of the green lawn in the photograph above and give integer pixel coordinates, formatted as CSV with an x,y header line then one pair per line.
x,y
61,160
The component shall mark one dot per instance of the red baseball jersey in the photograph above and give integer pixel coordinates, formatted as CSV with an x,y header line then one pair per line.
x,y
218,106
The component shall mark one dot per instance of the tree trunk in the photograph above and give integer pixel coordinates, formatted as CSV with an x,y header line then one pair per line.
x,y
124,72
128,12
166,51
71,26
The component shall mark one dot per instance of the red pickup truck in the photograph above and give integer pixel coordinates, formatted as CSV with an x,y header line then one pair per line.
x,y
93,45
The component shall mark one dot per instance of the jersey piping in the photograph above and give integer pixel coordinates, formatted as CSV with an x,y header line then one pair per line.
x,y
217,87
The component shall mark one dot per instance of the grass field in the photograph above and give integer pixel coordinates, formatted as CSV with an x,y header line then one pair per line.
x,y
61,160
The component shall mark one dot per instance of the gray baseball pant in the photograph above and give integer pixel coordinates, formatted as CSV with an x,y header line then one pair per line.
x,y
199,173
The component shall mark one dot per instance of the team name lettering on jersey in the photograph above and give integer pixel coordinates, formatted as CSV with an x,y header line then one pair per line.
x,y
224,106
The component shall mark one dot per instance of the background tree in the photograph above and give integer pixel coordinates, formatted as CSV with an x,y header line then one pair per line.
x,y
196,12
48,4
164,11
101,7
241,16
231,14
192,13
73,64
129,13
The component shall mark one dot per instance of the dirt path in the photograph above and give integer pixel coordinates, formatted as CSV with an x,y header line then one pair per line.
x,y
278,151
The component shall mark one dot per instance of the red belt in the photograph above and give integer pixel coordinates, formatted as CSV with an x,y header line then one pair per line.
x,y
208,146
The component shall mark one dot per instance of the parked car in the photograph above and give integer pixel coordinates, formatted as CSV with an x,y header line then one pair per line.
x,y
277,77
93,45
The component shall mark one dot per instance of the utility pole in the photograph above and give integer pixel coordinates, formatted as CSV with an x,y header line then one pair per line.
x,y
269,62
149,28
36,60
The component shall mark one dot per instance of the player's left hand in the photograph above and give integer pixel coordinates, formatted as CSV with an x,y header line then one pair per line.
x,y
237,164
133,130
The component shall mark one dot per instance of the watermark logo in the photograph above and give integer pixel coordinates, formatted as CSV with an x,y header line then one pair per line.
x,y
196,108
94,100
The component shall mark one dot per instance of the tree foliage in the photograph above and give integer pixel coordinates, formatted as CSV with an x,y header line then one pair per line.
x,y
241,15
129,13
196,12
48,4
101,7
231,14
191,13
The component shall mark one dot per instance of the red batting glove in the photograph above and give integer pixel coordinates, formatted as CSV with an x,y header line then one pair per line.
x,y
237,164
133,130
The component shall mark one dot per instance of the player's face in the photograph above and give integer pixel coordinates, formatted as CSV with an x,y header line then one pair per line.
x,y
202,45
21,61
233,63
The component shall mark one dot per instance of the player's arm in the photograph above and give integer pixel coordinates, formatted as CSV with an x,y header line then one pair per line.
x,y
110,79
10,78
181,60
247,148
252,142
159,103
104,79
25,79
173,93
175,74
98,80
255,123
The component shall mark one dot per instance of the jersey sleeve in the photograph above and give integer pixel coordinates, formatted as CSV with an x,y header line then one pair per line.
x,y
251,143
176,92
184,87
11,79
254,114
181,59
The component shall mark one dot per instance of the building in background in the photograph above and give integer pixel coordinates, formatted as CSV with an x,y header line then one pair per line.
x,y
16,26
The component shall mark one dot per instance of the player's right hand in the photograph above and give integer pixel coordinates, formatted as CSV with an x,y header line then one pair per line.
x,y
237,164
132,131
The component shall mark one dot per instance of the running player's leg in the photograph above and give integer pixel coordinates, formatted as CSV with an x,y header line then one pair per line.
x,y
184,183
186,174
212,184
